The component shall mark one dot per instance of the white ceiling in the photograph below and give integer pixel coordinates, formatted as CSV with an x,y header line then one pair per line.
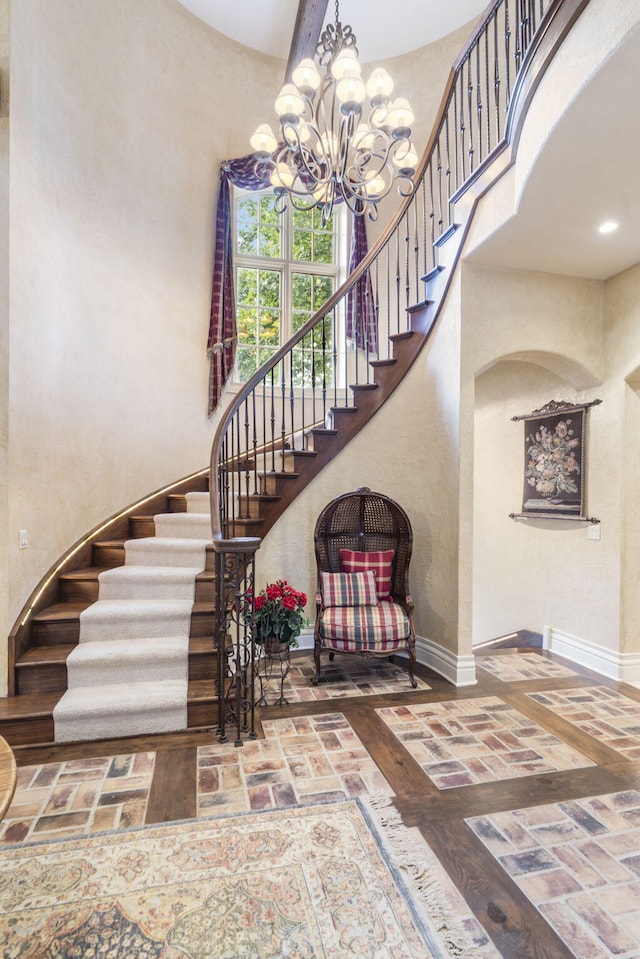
x,y
267,25
586,171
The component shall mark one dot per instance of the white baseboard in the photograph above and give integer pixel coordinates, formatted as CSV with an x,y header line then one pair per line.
x,y
305,639
624,667
458,670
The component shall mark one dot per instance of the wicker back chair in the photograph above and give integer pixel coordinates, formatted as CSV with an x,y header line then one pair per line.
x,y
365,522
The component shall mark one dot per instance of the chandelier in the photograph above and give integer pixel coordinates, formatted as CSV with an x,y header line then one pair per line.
x,y
328,150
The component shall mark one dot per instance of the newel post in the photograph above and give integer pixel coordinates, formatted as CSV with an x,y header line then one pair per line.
x,y
233,638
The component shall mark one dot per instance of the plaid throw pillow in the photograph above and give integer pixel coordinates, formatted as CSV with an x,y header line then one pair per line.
x,y
348,589
380,561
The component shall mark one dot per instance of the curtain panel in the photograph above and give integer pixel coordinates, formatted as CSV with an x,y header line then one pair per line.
x,y
223,333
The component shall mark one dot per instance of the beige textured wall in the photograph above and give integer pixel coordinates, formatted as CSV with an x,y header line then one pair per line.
x,y
537,573
5,623
622,324
549,573
120,116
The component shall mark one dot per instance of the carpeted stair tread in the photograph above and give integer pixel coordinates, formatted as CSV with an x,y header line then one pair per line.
x,y
187,525
167,551
135,619
120,660
148,582
198,503
124,709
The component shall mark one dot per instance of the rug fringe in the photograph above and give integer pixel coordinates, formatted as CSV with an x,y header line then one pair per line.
x,y
419,876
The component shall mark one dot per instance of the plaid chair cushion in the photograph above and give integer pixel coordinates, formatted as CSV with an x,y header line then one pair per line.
x,y
355,629
380,561
348,589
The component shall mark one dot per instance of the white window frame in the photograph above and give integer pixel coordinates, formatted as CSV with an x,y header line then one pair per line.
x,y
288,266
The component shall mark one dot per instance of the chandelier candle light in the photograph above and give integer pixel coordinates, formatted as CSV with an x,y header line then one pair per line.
x,y
327,150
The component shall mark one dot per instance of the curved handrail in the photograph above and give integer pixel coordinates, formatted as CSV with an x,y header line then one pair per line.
x,y
470,129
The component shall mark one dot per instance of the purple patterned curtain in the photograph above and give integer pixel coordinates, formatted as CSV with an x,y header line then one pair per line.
x,y
362,327
221,343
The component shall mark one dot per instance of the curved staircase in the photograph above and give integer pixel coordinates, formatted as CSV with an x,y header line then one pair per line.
x,y
271,441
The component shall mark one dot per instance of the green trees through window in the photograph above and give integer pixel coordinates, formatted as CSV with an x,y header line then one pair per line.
x,y
286,268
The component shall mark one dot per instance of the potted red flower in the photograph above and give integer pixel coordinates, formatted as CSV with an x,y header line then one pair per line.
x,y
278,614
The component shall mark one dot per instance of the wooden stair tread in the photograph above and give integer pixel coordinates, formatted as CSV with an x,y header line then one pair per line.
x,y
88,573
28,705
60,612
49,655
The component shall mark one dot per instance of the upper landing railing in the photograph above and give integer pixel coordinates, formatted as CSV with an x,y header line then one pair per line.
x,y
311,374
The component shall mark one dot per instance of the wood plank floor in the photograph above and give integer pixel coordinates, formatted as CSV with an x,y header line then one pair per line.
x,y
535,733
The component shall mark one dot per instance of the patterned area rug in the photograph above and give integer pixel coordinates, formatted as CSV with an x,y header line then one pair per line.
x,y
312,882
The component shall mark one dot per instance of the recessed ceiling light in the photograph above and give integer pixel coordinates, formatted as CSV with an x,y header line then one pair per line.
x,y
608,226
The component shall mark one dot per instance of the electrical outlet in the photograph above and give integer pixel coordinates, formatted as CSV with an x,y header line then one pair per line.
x,y
23,539
594,531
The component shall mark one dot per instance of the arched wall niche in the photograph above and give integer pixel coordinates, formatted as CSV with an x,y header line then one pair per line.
x,y
528,574
577,376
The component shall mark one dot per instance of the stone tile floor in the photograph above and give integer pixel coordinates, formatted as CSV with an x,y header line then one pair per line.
x,y
78,797
515,668
345,676
303,760
579,863
609,717
477,740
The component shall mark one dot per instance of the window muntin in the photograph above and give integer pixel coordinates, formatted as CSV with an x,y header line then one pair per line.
x,y
287,266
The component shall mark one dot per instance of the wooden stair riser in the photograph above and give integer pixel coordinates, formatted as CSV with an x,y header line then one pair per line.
x,y
141,526
49,674
250,507
274,484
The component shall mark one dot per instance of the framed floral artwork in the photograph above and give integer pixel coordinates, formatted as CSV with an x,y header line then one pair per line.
x,y
554,460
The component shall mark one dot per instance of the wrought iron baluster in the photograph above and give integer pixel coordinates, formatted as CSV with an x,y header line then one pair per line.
x,y
314,372
283,408
478,103
247,465
471,149
463,152
407,240
425,252
273,421
439,179
487,88
447,172
254,444
398,280
292,401
456,133
496,77
507,56
416,247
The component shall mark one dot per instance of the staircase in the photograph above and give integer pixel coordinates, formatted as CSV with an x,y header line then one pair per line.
x,y
53,629
274,438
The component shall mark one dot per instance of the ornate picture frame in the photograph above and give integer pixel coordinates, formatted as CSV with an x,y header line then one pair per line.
x,y
554,481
